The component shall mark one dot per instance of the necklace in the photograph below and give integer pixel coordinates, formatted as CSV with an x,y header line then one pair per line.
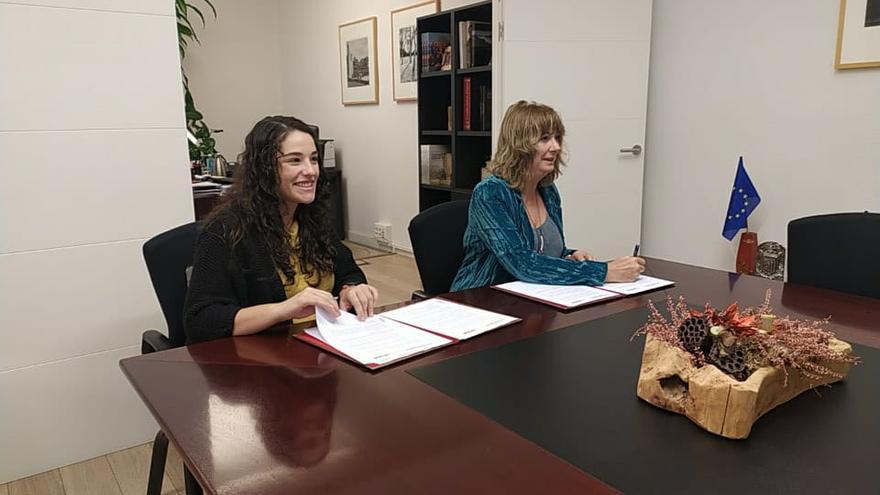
x,y
536,230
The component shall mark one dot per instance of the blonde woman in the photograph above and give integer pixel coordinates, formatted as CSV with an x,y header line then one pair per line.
x,y
515,222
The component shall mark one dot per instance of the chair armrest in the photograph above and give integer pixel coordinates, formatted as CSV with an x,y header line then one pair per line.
x,y
153,341
419,295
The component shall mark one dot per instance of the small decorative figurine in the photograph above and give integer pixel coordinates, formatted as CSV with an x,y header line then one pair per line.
x,y
771,260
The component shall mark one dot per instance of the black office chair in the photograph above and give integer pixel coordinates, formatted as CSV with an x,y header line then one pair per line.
x,y
437,237
836,251
168,256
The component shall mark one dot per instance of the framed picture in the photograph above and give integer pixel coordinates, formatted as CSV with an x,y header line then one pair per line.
x,y
357,62
858,34
405,48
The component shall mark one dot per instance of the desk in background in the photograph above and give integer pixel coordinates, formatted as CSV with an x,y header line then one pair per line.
x,y
270,414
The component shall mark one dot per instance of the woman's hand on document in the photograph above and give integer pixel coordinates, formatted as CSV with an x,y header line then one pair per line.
x,y
361,297
304,303
625,269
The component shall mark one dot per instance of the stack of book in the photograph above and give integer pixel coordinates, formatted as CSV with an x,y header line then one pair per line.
x,y
436,164
479,117
436,52
474,44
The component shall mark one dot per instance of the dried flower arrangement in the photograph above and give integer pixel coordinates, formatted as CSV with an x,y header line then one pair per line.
x,y
738,342
724,370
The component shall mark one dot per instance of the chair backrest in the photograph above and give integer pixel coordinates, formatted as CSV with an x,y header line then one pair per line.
x,y
837,251
437,237
168,255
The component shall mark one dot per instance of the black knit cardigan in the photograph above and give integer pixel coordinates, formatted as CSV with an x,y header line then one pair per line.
x,y
225,279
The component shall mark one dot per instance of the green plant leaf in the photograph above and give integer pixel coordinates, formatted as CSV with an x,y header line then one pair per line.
x,y
184,30
194,119
213,10
199,13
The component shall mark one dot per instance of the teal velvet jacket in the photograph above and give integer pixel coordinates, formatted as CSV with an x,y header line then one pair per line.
x,y
499,243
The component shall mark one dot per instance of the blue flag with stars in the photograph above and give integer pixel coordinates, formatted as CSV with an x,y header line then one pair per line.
x,y
743,200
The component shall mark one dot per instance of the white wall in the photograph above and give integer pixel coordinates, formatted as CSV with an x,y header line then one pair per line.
x,y
235,72
757,79
93,160
282,56
726,79
376,145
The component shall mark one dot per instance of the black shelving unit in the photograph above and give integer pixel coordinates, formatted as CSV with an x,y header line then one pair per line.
x,y
439,90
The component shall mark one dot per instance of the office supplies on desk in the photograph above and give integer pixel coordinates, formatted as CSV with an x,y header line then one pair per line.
x,y
572,296
206,186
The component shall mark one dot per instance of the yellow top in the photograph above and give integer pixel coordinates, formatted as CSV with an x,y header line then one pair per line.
x,y
300,280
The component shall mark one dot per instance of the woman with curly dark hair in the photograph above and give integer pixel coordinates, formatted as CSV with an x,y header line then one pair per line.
x,y
269,255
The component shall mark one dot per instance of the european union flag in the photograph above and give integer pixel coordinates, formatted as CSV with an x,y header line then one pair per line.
x,y
743,200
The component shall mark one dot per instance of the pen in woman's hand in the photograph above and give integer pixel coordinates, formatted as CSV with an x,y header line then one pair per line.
x,y
636,251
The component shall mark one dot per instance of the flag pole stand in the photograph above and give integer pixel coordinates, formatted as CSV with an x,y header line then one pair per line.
x,y
747,253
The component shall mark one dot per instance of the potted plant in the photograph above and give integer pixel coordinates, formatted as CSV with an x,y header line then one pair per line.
x,y
195,122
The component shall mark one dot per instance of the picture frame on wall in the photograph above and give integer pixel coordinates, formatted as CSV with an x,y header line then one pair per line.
x,y
405,48
858,34
359,76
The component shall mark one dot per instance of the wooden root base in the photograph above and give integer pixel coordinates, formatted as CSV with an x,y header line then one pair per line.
x,y
714,400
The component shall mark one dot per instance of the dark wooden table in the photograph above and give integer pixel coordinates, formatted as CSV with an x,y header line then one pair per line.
x,y
270,414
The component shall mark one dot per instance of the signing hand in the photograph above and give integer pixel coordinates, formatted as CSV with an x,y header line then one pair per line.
x,y
625,269
304,303
360,297
580,255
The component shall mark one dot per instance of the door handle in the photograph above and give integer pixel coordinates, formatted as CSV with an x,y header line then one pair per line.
x,y
636,150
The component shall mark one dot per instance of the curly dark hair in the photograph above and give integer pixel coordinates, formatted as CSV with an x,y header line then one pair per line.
x,y
254,203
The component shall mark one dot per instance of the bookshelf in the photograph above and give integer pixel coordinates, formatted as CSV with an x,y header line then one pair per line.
x,y
444,103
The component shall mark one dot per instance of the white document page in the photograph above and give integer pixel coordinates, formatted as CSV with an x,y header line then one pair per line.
x,y
567,296
642,284
448,318
376,340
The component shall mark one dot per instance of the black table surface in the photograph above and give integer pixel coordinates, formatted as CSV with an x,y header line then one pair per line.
x,y
573,392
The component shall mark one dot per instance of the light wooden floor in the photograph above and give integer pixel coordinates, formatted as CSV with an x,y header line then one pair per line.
x,y
125,472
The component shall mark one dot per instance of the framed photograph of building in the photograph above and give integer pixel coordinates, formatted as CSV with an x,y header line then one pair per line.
x,y
858,34
358,62
405,48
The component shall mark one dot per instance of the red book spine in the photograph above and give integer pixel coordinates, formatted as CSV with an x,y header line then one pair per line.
x,y
466,110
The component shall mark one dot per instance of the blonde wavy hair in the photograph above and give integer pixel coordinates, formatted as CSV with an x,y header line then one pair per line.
x,y
523,126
